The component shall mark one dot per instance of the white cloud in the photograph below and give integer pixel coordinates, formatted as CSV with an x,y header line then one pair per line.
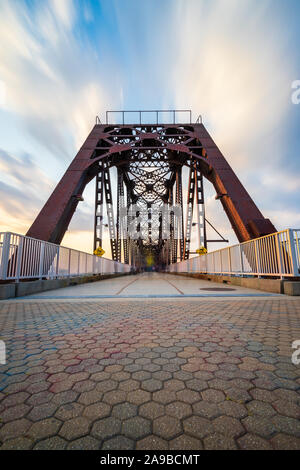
x,y
65,11
232,68
53,78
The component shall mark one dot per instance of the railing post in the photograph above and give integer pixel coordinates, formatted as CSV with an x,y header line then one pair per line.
x,y
19,259
279,257
69,263
294,263
256,258
93,265
42,251
57,262
5,255
242,261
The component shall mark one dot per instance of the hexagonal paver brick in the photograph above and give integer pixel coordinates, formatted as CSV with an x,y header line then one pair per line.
x,y
45,428
14,429
288,395
141,375
129,385
42,411
214,396
118,443
188,396
114,397
260,408
287,408
151,410
15,399
197,426
286,425
152,443
179,409
220,384
185,442
174,385
263,395
124,411
120,376
53,443
68,411
105,428
39,398
99,376
164,396
260,426
106,386
162,375
14,412
285,442
97,411
151,385
237,394
84,443
228,426
218,441
88,398
253,442
151,367
65,397
167,427
136,427
20,443
74,428
206,409
233,409
137,397
84,386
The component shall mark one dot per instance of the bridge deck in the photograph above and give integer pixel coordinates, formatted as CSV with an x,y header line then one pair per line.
x,y
150,373
149,285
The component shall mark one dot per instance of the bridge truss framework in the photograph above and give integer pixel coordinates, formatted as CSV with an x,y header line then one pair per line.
x,y
152,217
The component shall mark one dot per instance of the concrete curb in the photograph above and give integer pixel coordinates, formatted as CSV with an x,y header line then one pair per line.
x,y
277,286
21,289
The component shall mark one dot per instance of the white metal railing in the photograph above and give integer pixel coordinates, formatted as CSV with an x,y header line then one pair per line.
x,y
23,257
277,255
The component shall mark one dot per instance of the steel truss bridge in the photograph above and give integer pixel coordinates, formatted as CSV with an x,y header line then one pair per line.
x,y
149,205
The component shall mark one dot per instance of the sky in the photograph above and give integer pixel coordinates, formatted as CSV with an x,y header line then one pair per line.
x,y
62,62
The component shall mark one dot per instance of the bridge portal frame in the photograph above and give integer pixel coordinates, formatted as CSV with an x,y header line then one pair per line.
x,y
100,149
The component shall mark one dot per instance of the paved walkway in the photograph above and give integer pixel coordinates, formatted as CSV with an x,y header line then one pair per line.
x,y
149,285
157,373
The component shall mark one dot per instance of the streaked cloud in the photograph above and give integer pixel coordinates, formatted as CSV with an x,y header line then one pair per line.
x,y
52,74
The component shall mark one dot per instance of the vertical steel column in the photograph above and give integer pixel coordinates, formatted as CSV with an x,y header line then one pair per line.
x,y
149,211
202,239
98,224
171,254
120,214
179,202
110,213
189,211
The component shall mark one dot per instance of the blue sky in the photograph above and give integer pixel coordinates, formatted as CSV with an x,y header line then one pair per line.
x,y
63,61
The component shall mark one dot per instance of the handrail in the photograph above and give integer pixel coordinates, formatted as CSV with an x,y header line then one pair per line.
x,y
24,257
157,112
276,254
140,113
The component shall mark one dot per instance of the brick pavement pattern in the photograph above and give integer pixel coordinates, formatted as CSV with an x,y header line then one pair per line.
x,y
150,375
